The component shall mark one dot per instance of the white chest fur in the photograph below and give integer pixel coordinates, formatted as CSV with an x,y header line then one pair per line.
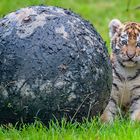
x,y
126,79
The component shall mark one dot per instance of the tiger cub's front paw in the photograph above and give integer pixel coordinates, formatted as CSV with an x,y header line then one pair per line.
x,y
106,117
135,116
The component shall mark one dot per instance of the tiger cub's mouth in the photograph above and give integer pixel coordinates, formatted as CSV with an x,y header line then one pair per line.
x,y
129,63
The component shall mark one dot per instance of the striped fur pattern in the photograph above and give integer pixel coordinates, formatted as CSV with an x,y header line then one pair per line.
x,y
125,95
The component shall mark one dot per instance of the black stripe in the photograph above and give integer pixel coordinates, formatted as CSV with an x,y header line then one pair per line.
x,y
121,64
113,113
113,100
114,49
136,87
131,111
115,85
121,78
135,76
135,99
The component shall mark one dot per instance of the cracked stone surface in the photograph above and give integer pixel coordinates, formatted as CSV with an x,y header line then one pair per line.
x,y
53,64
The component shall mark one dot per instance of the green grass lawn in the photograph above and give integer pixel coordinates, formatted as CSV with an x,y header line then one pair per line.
x,y
94,130
98,12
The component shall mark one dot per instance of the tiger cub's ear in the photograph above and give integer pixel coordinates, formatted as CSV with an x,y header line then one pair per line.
x,y
114,26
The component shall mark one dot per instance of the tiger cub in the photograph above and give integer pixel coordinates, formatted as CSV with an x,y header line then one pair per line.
x,y
125,94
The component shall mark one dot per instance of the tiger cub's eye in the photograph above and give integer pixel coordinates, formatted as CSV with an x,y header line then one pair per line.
x,y
124,42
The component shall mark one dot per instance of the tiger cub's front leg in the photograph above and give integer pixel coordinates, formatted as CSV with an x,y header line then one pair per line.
x,y
112,107
135,104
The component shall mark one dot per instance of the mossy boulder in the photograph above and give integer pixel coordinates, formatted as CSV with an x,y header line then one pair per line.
x,y
53,64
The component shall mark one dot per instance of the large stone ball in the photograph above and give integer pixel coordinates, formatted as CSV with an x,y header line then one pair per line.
x,y
53,64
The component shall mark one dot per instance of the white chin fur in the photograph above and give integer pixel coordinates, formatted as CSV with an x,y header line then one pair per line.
x,y
137,59
124,59
129,64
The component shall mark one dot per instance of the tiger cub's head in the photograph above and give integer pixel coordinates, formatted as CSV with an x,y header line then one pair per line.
x,y
125,42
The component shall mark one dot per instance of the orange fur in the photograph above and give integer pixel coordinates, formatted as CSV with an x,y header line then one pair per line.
x,y
125,94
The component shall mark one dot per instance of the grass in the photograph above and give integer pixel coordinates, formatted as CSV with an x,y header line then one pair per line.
x,y
93,130
99,13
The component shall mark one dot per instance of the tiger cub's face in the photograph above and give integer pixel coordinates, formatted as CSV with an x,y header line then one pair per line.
x,y
125,42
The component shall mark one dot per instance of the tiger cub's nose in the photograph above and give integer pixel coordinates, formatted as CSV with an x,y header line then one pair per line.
x,y
130,55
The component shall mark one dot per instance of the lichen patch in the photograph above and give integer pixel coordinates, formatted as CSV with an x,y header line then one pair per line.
x,y
71,97
27,29
3,91
19,16
61,30
24,89
47,87
25,24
